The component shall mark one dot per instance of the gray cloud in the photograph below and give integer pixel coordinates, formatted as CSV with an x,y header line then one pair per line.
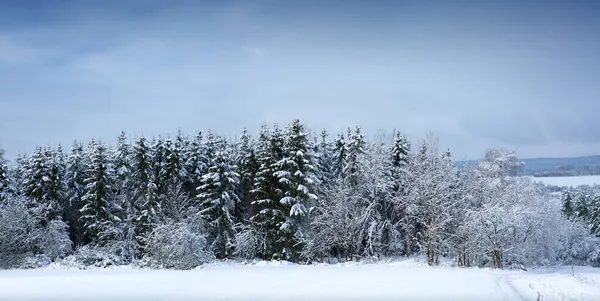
x,y
464,73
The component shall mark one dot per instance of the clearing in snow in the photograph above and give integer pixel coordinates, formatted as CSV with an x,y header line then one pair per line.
x,y
569,181
271,281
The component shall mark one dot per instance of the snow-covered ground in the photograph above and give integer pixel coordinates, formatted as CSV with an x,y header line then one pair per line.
x,y
569,181
403,280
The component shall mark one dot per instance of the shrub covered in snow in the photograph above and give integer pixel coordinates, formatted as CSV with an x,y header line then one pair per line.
x,y
178,246
249,240
23,238
15,225
54,240
89,256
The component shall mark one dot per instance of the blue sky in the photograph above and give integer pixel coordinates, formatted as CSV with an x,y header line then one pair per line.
x,y
478,74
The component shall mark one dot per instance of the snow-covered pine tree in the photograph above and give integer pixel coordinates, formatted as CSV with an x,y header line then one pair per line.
x,y
567,203
325,162
355,149
194,164
179,159
125,241
75,181
172,165
43,183
340,154
267,192
209,149
58,187
17,175
399,170
174,172
248,166
158,163
122,169
4,177
97,212
295,172
145,199
400,157
35,176
218,199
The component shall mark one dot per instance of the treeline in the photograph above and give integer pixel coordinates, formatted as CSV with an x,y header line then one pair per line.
x,y
177,202
569,171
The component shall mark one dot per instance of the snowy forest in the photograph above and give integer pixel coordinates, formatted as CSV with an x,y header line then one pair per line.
x,y
287,193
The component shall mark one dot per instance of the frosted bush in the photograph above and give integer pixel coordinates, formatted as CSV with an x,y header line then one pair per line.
x,y
180,246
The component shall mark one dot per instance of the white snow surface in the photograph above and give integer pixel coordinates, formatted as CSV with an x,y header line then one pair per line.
x,y
568,181
399,280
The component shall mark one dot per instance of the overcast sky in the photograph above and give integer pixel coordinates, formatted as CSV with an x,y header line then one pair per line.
x,y
478,74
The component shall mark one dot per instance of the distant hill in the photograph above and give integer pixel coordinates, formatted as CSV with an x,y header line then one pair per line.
x,y
553,167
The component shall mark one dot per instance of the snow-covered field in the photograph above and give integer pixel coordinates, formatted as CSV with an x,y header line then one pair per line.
x,y
569,181
404,280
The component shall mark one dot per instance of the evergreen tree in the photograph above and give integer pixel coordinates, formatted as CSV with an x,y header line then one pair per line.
x,y
145,199
399,173
355,149
16,176
568,209
158,163
270,215
122,169
295,172
97,212
75,181
179,160
194,164
218,199
58,187
126,241
147,214
339,156
400,155
325,162
44,183
174,171
4,184
210,148
248,166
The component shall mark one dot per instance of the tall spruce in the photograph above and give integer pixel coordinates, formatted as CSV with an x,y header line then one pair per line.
x,y
4,179
122,170
75,180
218,199
195,164
400,154
44,183
158,162
145,200
247,168
355,150
97,212
324,164
270,215
295,173
339,156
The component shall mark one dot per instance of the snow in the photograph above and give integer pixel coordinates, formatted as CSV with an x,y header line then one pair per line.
x,y
569,181
404,280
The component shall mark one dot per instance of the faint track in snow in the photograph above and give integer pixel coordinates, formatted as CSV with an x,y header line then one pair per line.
x,y
510,292
563,287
